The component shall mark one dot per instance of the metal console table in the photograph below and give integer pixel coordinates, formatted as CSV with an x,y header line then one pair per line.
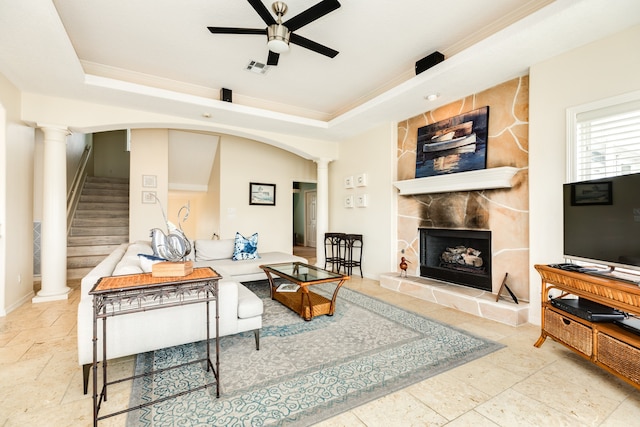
x,y
120,295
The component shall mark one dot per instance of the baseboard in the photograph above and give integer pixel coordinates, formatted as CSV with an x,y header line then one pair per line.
x,y
17,304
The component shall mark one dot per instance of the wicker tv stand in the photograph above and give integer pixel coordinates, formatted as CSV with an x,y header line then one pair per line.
x,y
605,344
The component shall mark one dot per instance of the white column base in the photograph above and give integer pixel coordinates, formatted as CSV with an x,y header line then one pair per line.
x,y
61,294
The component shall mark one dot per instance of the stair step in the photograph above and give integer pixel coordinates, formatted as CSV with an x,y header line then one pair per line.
x,y
96,240
99,231
95,213
124,192
102,206
101,222
105,187
106,179
84,261
102,199
78,273
90,250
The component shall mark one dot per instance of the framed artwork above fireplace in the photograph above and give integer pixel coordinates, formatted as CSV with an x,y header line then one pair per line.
x,y
457,144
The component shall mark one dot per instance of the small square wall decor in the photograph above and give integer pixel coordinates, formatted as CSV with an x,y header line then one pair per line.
x,y
148,197
361,180
150,181
348,182
348,201
361,201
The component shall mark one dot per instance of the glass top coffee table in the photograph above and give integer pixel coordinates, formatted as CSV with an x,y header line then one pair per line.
x,y
296,294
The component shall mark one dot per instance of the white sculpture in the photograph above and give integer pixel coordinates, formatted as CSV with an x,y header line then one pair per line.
x,y
173,246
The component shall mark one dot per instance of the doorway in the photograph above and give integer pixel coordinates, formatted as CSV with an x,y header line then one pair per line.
x,y
304,220
310,218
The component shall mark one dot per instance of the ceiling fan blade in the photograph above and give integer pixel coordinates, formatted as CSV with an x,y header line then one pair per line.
x,y
273,58
311,14
262,11
311,45
233,30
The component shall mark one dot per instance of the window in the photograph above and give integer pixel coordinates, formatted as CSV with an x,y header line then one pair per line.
x,y
605,139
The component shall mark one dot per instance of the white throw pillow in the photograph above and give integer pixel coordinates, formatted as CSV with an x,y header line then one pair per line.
x,y
209,250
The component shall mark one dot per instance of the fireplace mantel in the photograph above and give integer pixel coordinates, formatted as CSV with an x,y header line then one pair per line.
x,y
484,179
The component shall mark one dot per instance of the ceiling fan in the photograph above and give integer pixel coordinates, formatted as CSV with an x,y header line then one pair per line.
x,y
279,33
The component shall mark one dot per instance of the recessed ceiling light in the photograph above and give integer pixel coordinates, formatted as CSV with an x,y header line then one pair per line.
x,y
432,97
206,115
257,67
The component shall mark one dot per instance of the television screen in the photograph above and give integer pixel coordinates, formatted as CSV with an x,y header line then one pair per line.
x,y
602,221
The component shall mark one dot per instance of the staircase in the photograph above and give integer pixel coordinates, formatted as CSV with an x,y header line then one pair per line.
x,y
100,224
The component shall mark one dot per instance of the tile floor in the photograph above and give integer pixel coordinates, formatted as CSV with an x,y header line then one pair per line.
x,y
40,381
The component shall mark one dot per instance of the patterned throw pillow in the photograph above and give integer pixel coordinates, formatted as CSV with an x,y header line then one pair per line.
x,y
147,261
245,248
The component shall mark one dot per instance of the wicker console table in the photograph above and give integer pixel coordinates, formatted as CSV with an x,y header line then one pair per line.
x,y
605,344
121,295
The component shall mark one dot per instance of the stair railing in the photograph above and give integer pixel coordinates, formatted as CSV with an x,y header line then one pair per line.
x,y
73,196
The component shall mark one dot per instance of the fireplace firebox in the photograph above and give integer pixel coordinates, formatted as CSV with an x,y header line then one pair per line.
x,y
456,256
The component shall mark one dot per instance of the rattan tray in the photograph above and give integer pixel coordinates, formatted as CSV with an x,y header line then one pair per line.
x,y
133,281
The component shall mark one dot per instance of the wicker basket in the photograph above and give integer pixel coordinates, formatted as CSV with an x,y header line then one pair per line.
x,y
574,334
619,356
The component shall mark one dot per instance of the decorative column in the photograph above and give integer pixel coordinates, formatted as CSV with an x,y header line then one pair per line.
x,y
322,208
54,216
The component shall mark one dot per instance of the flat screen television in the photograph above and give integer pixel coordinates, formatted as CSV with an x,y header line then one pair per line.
x,y
602,221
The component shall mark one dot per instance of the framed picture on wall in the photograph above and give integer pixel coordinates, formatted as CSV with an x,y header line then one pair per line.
x,y
348,201
148,197
456,144
149,181
348,182
262,194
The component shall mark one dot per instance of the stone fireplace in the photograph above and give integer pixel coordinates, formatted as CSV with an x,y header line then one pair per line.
x,y
470,201
456,256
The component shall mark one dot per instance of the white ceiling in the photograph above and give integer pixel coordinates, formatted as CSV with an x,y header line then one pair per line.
x,y
159,56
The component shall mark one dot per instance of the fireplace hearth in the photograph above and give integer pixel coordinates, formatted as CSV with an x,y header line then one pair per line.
x,y
457,256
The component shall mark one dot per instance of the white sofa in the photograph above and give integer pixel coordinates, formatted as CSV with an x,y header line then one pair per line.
x,y
240,309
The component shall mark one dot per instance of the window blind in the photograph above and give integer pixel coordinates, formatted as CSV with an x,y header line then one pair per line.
x,y
608,141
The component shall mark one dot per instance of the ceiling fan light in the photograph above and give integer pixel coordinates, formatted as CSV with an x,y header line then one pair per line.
x,y
278,36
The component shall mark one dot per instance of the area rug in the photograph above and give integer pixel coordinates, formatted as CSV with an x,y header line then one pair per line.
x,y
304,372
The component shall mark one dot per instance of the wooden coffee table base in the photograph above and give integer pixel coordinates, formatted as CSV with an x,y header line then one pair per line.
x,y
299,302
304,302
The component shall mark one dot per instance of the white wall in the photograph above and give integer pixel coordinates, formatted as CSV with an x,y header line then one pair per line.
x,y
243,161
372,153
16,202
225,208
149,156
110,157
600,70
87,117
76,142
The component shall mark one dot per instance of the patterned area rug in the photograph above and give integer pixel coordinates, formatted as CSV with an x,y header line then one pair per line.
x,y
305,372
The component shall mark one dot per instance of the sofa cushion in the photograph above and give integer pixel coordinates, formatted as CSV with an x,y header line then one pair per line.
x,y
105,268
126,268
130,262
209,250
234,269
249,304
245,248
